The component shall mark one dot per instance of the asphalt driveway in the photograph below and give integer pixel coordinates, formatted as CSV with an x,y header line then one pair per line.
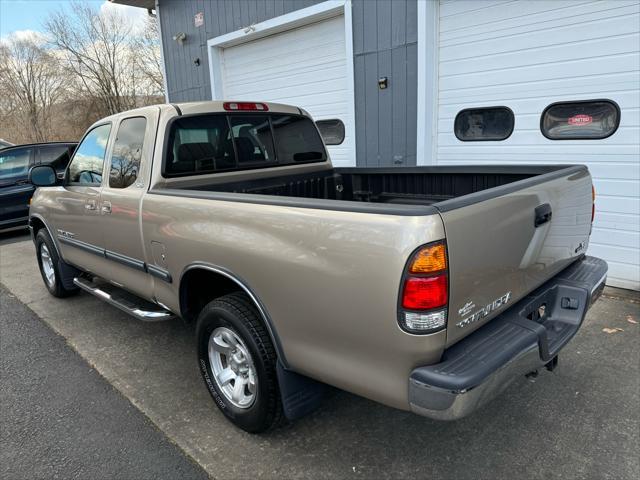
x,y
61,419
581,421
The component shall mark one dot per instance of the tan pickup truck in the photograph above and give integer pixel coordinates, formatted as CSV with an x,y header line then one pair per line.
x,y
426,289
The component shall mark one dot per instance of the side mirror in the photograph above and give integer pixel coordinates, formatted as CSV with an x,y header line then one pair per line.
x,y
332,131
42,176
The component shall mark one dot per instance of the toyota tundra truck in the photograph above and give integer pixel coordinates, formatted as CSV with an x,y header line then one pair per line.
x,y
427,289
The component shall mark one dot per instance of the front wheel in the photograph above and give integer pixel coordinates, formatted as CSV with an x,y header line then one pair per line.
x,y
238,363
50,264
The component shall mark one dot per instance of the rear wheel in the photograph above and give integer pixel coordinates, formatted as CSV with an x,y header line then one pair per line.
x,y
238,363
50,265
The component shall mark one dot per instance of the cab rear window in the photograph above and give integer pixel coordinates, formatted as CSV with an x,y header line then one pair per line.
x,y
209,143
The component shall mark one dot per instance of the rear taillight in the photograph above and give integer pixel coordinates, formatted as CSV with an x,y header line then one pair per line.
x,y
245,106
424,292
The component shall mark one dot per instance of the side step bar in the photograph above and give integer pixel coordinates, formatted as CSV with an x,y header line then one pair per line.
x,y
125,301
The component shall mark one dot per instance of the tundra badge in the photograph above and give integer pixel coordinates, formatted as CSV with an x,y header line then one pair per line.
x,y
484,311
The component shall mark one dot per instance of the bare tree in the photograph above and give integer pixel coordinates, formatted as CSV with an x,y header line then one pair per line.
x,y
31,83
149,58
97,49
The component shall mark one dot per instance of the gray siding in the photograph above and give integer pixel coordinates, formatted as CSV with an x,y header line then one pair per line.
x,y
385,39
385,44
185,80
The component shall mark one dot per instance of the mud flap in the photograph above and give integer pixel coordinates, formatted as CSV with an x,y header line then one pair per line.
x,y
300,395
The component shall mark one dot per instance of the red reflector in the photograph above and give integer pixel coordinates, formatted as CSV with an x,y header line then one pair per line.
x,y
239,106
421,293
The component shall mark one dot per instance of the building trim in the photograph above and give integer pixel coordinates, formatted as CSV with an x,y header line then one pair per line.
x,y
282,23
164,65
428,45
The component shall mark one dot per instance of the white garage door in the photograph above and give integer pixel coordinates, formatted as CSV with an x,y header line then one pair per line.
x,y
526,55
306,67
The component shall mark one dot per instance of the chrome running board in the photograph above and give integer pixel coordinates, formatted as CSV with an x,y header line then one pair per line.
x,y
125,301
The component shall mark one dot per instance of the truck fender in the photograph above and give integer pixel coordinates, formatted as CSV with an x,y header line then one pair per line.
x,y
273,334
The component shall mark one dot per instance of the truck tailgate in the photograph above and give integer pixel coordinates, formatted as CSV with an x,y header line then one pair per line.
x,y
504,242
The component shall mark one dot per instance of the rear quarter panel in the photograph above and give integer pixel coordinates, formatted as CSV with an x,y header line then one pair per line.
x,y
328,279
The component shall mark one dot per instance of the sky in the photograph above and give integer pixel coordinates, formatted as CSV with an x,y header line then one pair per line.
x,y
22,16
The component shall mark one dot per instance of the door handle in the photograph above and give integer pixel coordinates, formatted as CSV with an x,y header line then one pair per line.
x,y
106,208
90,205
543,214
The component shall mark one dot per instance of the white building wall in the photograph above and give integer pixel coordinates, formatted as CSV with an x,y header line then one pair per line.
x,y
528,54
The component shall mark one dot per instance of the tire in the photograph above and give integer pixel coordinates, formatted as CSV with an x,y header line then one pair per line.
x,y
51,271
235,315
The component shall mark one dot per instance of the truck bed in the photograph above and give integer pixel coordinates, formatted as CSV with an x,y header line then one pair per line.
x,y
447,187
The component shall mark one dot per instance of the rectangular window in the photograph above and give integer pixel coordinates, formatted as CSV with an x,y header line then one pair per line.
x,y
208,143
87,163
127,152
253,140
482,124
580,120
55,155
297,140
14,163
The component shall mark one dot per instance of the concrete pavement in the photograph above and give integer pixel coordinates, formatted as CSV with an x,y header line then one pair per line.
x,y
581,421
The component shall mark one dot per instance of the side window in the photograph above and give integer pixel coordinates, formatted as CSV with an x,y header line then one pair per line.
x,y
87,163
478,124
252,137
580,120
127,152
15,162
55,155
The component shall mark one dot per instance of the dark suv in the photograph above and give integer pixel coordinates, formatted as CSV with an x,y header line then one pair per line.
x,y
15,190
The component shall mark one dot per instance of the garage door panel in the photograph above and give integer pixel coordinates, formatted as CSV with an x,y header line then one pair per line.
x,y
526,55
527,38
546,21
603,82
623,275
504,76
623,187
627,239
586,49
306,67
617,221
279,71
307,81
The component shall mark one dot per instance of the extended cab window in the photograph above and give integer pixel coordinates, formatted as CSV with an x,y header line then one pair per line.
x,y
14,163
86,166
127,152
209,143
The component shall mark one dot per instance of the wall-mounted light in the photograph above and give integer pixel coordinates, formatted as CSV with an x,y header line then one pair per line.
x,y
180,37
383,82
250,28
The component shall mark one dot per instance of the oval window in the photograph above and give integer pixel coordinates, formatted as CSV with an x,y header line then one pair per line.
x,y
581,120
478,124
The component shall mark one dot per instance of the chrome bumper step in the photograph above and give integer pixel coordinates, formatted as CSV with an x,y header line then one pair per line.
x,y
125,301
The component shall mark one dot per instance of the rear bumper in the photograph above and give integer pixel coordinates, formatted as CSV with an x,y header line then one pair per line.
x,y
479,367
